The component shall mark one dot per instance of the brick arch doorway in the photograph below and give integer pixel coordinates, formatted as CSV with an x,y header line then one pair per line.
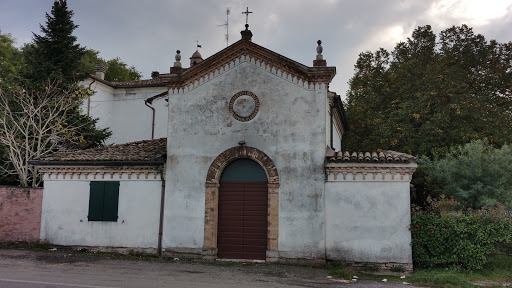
x,y
242,216
210,249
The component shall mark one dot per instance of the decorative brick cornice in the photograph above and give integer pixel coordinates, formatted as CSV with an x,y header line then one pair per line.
x,y
369,172
247,51
101,173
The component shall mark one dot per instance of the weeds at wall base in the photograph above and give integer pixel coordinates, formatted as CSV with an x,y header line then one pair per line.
x,y
496,273
26,245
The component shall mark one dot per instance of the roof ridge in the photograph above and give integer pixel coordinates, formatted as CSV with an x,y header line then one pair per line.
x,y
250,51
383,156
151,82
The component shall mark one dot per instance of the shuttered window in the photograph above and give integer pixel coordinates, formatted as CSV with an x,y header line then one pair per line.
x,y
103,201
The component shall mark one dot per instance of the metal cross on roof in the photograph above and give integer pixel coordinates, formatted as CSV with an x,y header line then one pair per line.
x,y
198,46
246,15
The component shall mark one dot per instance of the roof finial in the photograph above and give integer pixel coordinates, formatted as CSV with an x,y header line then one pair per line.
x,y
319,50
246,34
319,61
178,59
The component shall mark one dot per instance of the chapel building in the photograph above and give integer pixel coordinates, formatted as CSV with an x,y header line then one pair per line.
x,y
238,156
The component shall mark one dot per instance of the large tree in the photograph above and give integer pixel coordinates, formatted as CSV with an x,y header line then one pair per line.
x,y
36,123
117,70
10,61
54,55
10,65
430,94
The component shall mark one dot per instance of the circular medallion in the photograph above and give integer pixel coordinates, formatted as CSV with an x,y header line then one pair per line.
x,y
244,106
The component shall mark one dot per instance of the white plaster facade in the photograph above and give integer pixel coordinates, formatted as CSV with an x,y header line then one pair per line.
x,y
368,212
289,128
123,111
66,203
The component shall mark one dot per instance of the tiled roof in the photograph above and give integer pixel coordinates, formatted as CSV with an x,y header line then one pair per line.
x,y
157,82
140,151
385,156
138,83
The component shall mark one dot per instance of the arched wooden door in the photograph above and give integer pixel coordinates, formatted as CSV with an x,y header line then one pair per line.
x,y
243,209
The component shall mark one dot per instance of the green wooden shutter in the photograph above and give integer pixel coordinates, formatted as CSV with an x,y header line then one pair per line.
x,y
96,201
110,201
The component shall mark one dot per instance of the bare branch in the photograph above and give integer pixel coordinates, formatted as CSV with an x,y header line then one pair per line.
x,y
32,124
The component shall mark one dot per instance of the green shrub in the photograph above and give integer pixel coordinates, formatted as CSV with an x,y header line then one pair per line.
x,y
477,173
458,239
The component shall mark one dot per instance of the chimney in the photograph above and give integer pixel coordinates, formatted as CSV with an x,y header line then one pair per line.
x,y
100,71
155,74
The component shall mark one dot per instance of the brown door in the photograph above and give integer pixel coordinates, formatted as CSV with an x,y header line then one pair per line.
x,y
242,230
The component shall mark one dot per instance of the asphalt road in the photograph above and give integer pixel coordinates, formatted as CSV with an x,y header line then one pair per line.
x,y
67,269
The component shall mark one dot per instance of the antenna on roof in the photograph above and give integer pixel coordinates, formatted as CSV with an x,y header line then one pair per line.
x,y
226,23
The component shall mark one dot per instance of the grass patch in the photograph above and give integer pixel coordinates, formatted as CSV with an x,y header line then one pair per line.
x,y
368,267
25,245
342,271
499,269
496,272
440,278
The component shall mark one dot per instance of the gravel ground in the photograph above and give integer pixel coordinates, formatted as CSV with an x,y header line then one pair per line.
x,y
69,268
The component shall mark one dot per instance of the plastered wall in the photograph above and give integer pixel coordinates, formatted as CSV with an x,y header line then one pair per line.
x,y
65,209
289,128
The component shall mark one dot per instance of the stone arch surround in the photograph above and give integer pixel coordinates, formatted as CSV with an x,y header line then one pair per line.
x,y
212,198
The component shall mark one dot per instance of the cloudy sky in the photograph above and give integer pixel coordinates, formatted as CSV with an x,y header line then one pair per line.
x,y
146,33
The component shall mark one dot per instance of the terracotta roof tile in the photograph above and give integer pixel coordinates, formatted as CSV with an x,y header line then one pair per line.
x,y
140,151
385,156
137,83
157,82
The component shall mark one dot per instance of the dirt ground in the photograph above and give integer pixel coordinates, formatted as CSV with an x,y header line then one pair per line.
x,y
69,268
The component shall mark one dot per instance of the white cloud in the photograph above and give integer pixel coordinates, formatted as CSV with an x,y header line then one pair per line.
x,y
471,12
